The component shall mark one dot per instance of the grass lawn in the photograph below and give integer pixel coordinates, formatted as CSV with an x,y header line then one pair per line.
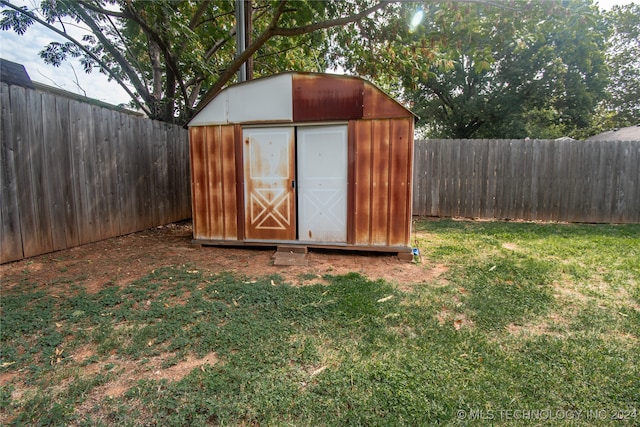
x,y
532,324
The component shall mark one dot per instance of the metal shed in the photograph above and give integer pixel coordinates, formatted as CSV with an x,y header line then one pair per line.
x,y
312,160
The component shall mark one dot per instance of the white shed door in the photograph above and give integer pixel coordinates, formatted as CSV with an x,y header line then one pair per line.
x,y
322,183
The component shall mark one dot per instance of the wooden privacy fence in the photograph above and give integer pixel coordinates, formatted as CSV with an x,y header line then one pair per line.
x,y
73,173
574,181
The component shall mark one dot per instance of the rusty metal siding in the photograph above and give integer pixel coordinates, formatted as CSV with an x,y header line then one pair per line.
x,y
382,173
379,105
363,182
198,182
401,174
321,98
228,193
238,146
380,182
213,175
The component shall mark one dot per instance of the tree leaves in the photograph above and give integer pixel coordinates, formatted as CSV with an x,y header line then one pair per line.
x,y
16,21
469,69
624,59
55,53
174,52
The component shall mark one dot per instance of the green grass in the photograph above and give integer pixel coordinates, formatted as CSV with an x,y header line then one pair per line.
x,y
531,320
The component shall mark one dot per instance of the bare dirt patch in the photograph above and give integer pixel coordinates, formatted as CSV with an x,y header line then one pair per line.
x,y
134,371
122,260
510,246
554,325
457,320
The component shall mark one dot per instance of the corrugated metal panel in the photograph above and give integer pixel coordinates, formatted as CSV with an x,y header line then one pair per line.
x,y
379,105
262,100
229,203
198,182
382,213
401,174
319,97
214,113
269,171
213,174
363,182
380,182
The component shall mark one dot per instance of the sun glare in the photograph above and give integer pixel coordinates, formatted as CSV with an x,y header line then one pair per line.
x,y
416,20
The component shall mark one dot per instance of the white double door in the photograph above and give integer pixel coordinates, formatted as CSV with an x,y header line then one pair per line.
x,y
296,187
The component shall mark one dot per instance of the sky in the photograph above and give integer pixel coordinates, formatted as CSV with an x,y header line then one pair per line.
x,y
25,50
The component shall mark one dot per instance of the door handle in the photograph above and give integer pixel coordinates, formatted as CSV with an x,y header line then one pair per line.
x,y
293,183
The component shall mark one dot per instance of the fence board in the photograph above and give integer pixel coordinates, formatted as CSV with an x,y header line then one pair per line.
x,y
618,202
576,181
92,180
10,233
172,194
53,160
65,173
162,171
480,179
23,170
634,183
536,155
72,173
110,174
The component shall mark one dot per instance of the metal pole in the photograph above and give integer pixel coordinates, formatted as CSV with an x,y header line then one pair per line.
x,y
240,38
248,30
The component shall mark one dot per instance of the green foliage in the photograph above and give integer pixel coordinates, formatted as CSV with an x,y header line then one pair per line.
x,y
622,108
168,54
494,70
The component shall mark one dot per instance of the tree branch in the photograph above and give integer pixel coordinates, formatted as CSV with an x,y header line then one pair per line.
x,y
101,11
218,45
273,30
128,50
121,60
84,49
169,59
195,19
235,65
296,31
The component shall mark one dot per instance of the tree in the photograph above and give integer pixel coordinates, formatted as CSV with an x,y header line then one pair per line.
x,y
624,61
168,54
480,70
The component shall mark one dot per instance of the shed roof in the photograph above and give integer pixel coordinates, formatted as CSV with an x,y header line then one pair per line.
x,y
630,133
298,97
13,73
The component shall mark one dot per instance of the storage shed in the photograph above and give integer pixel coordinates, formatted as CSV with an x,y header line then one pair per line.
x,y
315,160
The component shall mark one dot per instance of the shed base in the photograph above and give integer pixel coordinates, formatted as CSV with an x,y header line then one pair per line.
x,y
404,253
